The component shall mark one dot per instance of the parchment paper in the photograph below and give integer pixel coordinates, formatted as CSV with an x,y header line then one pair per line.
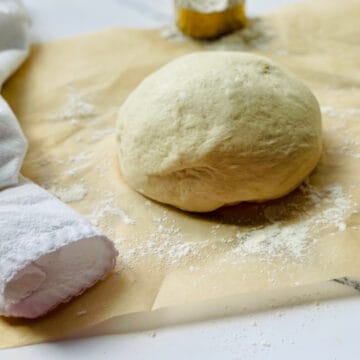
x,y
66,97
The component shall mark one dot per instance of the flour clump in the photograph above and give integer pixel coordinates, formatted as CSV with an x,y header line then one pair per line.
x,y
217,128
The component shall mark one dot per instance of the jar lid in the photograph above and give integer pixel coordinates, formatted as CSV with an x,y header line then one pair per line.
x,y
207,6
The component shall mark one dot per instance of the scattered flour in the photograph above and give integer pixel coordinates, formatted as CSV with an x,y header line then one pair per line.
x,y
273,240
75,109
81,157
293,239
350,147
335,213
77,163
339,112
166,243
70,194
346,144
100,134
107,207
289,238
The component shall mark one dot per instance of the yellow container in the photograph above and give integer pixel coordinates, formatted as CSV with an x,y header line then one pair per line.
x,y
209,25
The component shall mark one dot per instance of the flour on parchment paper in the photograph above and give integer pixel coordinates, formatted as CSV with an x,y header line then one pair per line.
x,y
104,202
100,134
288,240
346,143
106,207
73,193
350,147
77,163
166,242
75,108
340,113
293,239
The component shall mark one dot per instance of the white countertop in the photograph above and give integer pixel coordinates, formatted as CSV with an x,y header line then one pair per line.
x,y
327,330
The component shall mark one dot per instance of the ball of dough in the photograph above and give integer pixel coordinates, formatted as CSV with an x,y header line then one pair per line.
x,y
218,128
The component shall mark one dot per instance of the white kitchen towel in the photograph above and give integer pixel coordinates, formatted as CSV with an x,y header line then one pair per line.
x,y
48,252
14,48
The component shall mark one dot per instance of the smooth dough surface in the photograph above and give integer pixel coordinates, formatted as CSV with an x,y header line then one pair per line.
x,y
217,128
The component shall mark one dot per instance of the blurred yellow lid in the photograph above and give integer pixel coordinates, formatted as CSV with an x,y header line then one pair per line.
x,y
206,19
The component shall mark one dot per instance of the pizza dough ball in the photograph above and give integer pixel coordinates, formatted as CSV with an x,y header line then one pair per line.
x,y
218,128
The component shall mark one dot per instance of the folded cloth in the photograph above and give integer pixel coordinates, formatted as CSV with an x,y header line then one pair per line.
x,y
14,48
48,252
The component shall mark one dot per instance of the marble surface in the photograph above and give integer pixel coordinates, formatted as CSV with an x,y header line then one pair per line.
x,y
327,330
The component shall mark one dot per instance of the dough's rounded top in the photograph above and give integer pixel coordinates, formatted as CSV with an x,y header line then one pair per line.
x,y
217,128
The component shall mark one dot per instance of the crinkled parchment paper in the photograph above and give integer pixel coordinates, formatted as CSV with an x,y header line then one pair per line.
x,y
66,97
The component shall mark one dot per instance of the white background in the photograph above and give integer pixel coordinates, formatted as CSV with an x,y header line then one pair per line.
x,y
329,330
